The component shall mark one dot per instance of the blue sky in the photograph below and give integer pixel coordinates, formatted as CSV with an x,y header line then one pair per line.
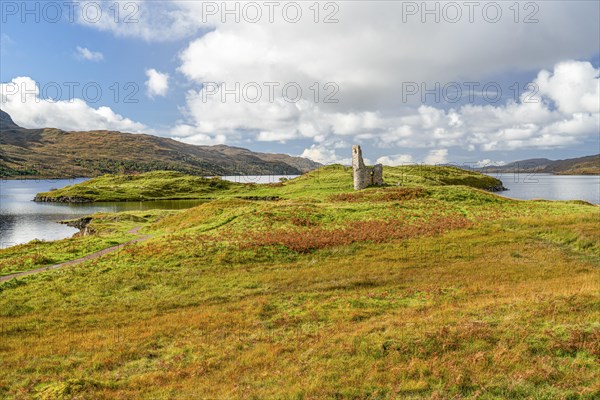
x,y
125,60
371,54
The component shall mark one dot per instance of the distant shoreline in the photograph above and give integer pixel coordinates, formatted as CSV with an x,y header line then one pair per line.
x,y
41,178
529,171
536,172
44,178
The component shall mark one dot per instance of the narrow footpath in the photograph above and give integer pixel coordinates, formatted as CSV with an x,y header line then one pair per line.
x,y
91,256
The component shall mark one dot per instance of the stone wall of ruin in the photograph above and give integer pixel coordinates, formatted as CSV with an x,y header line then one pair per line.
x,y
365,176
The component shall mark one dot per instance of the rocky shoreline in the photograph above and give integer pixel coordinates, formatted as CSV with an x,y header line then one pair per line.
x,y
62,199
499,188
82,224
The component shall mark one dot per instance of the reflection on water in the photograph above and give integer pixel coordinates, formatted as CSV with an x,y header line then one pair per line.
x,y
22,220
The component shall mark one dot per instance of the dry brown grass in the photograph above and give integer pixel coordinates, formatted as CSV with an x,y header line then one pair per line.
x,y
389,194
432,306
316,237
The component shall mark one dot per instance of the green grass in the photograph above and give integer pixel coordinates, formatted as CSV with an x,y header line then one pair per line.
x,y
162,185
426,290
108,230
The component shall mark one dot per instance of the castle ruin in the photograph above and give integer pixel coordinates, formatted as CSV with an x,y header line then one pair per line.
x,y
365,176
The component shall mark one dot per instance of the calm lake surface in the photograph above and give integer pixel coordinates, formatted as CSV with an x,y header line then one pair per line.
x,y
22,220
551,187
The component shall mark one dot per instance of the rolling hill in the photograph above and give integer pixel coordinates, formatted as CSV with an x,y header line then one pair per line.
x,y
54,153
434,289
589,165
325,181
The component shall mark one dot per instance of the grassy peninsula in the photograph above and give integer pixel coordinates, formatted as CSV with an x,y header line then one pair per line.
x,y
434,288
165,185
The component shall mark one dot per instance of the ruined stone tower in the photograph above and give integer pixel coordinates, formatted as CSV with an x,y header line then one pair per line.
x,y
365,176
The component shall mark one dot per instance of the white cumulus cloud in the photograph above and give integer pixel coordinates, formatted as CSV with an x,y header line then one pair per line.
x,y
439,156
157,83
395,160
367,58
573,86
20,98
152,21
324,155
488,163
541,118
84,53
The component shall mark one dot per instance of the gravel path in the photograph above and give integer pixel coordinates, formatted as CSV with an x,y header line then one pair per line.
x,y
79,260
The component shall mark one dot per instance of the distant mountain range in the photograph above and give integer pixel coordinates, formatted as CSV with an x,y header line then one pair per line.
x,y
54,153
588,165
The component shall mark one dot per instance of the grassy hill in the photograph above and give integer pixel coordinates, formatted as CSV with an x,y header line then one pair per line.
x,y
580,166
433,289
163,185
59,154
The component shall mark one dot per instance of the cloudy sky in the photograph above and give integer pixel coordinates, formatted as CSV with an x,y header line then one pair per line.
x,y
435,82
